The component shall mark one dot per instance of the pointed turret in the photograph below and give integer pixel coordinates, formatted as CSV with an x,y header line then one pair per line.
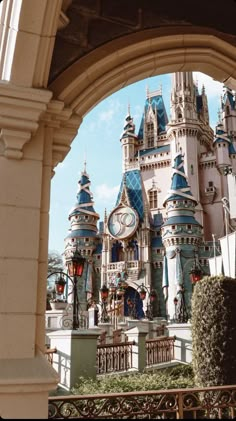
x,y
128,140
228,105
83,236
202,106
223,146
183,97
181,234
179,186
83,218
154,120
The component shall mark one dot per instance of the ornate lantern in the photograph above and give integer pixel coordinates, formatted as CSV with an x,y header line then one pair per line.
x,y
195,274
153,296
104,292
142,293
60,285
76,264
175,301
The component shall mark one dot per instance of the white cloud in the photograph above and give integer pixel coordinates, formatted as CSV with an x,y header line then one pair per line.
x,y
107,115
113,106
105,193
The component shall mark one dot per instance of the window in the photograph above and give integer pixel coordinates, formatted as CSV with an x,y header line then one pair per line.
x,y
153,199
210,184
189,227
150,127
150,141
150,134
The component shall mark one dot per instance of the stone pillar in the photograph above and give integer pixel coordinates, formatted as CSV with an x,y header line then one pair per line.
x,y
28,150
76,354
25,376
108,328
138,335
183,342
93,317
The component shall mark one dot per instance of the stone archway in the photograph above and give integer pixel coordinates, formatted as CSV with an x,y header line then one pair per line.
x,y
38,123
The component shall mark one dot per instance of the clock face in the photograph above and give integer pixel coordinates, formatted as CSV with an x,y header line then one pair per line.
x,y
122,222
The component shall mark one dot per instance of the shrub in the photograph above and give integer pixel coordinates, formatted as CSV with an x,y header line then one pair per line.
x,y
180,376
214,331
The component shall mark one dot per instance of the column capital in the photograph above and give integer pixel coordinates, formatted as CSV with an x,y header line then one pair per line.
x,y
65,124
20,112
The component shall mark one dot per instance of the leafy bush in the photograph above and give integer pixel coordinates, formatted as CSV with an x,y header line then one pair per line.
x,y
214,331
180,376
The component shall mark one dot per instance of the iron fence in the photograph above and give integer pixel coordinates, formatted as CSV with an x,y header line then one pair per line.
x,y
114,357
159,350
198,403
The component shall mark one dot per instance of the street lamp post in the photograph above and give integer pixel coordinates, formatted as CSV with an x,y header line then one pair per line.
x,y
152,295
196,272
104,296
75,265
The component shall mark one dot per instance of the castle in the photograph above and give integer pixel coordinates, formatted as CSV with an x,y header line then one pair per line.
x,y
169,207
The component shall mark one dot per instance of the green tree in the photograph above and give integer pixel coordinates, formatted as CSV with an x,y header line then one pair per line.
x,y
55,262
214,331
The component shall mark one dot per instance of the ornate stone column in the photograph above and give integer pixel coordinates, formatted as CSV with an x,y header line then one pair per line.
x,y
35,135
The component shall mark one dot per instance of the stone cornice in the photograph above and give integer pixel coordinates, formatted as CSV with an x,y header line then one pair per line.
x,y
65,125
20,111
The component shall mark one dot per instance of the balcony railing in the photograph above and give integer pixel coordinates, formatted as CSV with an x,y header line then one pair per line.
x,y
49,352
159,350
211,402
114,357
130,265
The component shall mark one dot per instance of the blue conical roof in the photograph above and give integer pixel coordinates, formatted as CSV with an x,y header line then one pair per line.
x,y
129,127
84,198
228,95
221,136
179,185
158,107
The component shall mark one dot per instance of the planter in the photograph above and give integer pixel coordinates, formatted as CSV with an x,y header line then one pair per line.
x,y
58,306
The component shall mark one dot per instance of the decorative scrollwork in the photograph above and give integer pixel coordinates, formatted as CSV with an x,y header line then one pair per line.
x,y
216,402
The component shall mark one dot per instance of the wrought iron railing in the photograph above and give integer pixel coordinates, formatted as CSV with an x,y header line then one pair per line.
x,y
211,402
114,357
159,350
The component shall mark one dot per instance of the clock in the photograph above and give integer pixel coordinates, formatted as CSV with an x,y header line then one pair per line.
x,y
122,222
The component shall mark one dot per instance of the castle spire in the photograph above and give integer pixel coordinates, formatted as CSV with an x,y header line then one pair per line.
x,y
183,97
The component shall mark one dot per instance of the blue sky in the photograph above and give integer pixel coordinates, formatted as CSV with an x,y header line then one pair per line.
x,y
98,142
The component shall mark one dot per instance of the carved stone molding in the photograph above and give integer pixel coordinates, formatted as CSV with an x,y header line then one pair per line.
x,y
20,112
65,125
